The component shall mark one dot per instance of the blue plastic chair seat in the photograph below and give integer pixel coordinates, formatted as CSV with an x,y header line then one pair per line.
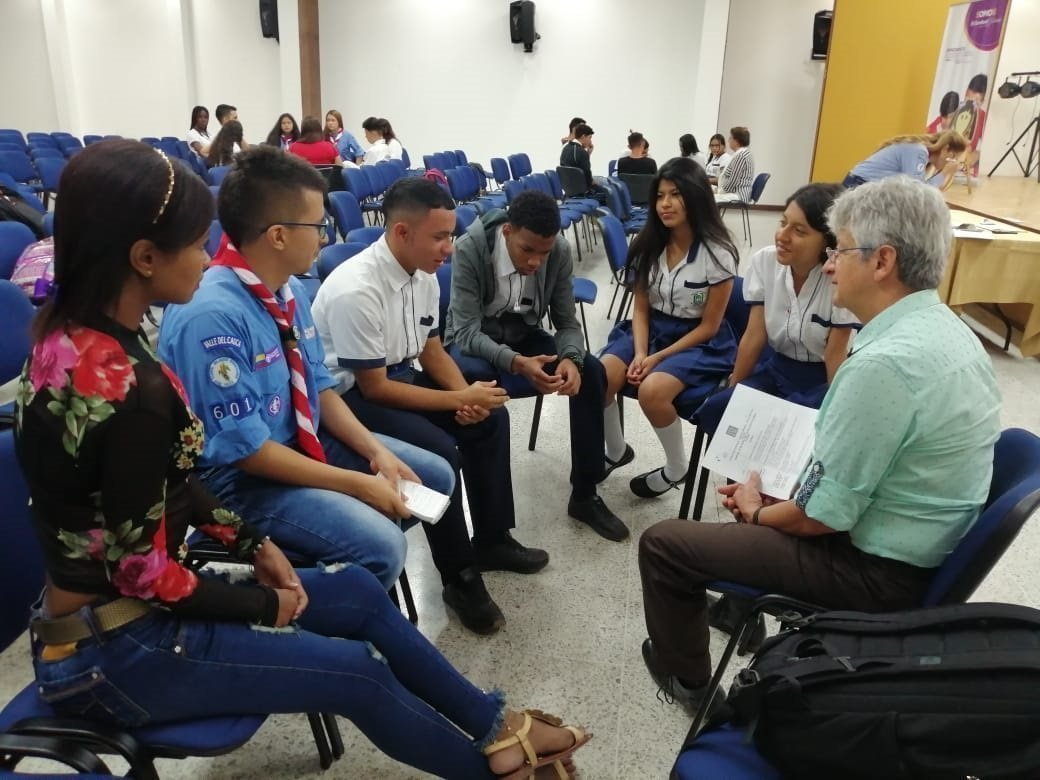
x,y
725,754
585,290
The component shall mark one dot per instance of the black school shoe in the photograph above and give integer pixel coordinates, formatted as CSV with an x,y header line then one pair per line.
x,y
725,613
597,516
509,555
673,691
627,457
640,486
472,603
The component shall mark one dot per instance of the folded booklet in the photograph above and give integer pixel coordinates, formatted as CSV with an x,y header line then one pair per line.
x,y
425,504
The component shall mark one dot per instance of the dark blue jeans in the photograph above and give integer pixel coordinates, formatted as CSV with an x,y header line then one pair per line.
x,y
353,654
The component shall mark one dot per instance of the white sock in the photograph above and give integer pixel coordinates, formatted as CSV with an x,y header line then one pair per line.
x,y
676,457
613,436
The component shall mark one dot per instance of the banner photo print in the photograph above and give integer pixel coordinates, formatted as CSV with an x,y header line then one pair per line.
x,y
966,69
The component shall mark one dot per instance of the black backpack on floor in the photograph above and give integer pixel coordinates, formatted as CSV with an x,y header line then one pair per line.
x,y
936,694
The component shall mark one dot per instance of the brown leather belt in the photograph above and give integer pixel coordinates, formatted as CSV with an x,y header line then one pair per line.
x,y
73,628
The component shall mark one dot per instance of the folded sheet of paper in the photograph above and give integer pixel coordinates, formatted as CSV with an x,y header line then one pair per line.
x,y
759,432
426,504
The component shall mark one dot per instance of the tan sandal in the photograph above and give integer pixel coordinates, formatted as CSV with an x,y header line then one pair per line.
x,y
532,761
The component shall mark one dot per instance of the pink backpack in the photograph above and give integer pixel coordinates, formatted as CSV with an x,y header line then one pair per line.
x,y
34,270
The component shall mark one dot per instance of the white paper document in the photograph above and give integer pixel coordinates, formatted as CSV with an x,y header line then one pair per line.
x,y
424,503
762,433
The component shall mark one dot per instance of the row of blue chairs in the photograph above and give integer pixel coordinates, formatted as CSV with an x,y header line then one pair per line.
x,y
444,160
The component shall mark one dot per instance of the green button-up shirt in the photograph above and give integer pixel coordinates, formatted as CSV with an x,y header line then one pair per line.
x,y
904,440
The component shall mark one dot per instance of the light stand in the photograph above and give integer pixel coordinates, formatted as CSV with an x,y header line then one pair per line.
x,y
1033,127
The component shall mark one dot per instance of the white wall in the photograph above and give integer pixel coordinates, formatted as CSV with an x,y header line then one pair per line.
x,y
772,86
446,75
1008,118
136,68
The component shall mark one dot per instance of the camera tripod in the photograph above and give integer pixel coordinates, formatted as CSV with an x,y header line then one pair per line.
x,y
1034,151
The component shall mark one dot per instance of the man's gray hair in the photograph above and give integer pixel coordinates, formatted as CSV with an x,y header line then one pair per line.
x,y
909,215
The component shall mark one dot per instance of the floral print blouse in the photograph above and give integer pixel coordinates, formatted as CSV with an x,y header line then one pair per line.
x,y
107,441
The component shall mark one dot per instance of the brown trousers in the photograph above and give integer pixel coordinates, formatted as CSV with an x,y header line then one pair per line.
x,y
677,557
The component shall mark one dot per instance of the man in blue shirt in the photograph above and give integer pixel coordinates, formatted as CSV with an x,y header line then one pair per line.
x,y
901,463
282,448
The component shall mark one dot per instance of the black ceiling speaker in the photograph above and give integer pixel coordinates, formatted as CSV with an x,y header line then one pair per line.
x,y
821,34
521,24
269,18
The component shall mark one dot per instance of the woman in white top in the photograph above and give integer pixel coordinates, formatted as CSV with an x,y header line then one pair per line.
x,y
795,338
718,158
678,341
198,134
688,148
384,144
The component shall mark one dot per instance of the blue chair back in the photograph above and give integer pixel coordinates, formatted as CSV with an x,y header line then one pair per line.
x,y
39,138
452,158
357,183
406,158
334,255
519,165
512,188
50,171
428,161
464,216
216,174
456,185
68,143
554,184
9,147
18,165
613,240
346,212
500,170
758,186
151,140
461,157
48,223
1014,495
400,168
374,180
9,136
92,139
44,152
365,235
14,238
16,313
738,311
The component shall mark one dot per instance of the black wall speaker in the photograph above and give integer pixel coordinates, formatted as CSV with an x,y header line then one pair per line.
x,y
821,34
269,18
521,24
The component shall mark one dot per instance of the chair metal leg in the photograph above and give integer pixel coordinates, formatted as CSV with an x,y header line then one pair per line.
x,y
533,440
613,298
691,472
577,239
584,325
702,490
335,738
620,401
409,600
321,741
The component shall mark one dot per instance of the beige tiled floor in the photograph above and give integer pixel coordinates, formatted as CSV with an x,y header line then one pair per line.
x,y
571,641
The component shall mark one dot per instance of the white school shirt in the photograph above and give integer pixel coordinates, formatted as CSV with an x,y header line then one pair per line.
x,y
195,136
683,291
717,166
797,326
513,291
370,312
384,150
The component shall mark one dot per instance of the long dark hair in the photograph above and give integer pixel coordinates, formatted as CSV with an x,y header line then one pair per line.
x,y
379,125
717,137
274,138
222,149
688,145
814,200
311,130
702,215
196,113
93,235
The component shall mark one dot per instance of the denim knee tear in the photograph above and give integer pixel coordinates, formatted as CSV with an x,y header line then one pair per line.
x,y
500,718
332,568
375,653
290,629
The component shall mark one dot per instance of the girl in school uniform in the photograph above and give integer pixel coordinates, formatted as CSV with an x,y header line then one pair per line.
x,y
795,337
677,340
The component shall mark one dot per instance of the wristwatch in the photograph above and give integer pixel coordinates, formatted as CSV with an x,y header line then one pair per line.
x,y
578,359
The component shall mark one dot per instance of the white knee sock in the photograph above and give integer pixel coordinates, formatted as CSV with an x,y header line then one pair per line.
x,y
613,436
676,457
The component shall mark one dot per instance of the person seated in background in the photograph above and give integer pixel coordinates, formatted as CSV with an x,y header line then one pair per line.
x,y
688,148
113,502
227,143
198,134
312,145
684,262
225,113
902,459
932,158
281,447
383,143
376,315
792,314
570,129
575,154
739,174
284,133
509,271
638,159
718,158
349,148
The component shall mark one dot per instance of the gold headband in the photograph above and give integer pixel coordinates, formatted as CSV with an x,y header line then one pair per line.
x,y
169,190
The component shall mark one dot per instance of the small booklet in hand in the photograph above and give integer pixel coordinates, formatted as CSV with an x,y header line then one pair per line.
x,y
425,504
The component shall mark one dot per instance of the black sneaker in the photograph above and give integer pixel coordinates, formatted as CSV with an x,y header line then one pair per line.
x,y
472,603
725,614
641,487
509,555
597,516
673,691
627,457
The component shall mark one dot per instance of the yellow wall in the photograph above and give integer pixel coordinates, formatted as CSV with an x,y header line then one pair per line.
x,y
880,70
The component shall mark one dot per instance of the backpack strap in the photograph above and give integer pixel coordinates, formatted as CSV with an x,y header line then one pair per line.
x,y
933,617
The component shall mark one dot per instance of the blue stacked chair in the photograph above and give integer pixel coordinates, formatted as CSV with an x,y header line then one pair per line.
x,y
519,165
617,256
346,212
92,139
14,238
331,257
366,235
20,168
464,217
68,144
12,136
500,171
461,157
39,152
12,147
50,174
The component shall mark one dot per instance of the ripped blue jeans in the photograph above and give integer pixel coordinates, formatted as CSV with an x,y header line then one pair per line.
x,y
353,654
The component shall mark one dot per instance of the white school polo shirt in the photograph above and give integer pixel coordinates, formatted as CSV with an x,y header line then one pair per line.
x,y
370,313
796,325
514,292
683,291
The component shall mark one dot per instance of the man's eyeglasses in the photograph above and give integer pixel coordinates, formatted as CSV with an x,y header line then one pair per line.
x,y
322,227
833,254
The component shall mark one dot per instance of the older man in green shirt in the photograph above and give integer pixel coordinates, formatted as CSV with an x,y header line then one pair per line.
x,y
902,460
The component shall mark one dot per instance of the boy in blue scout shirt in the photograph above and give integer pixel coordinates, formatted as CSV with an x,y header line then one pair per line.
x,y
281,446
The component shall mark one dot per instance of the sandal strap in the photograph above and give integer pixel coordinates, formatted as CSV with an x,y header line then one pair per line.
x,y
518,738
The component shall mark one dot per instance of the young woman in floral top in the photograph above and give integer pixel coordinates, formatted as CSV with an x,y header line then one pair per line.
x,y
107,441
